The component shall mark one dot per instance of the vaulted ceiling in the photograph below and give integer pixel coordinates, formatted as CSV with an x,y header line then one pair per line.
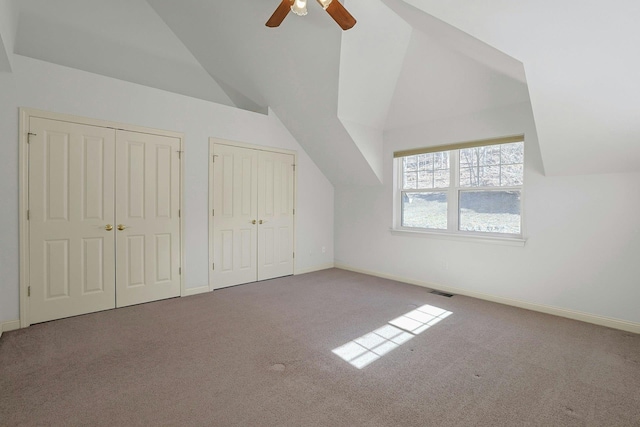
x,y
406,62
582,67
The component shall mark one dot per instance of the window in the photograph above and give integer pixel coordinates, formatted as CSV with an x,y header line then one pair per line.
x,y
468,188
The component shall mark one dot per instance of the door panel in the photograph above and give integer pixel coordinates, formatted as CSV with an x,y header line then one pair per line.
x,y
275,215
147,215
71,200
235,211
92,271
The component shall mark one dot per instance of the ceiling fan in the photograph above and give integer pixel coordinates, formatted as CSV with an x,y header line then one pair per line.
x,y
299,7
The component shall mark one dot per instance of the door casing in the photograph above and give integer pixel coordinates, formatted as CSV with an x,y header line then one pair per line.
x,y
23,155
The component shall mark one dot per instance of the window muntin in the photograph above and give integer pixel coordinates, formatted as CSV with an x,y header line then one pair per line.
x,y
492,166
425,171
474,190
423,204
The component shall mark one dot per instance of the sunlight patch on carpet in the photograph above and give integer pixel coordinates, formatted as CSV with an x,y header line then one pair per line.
x,y
372,346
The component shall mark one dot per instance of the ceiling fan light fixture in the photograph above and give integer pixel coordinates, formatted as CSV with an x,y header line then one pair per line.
x,y
334,8
299,7
325,3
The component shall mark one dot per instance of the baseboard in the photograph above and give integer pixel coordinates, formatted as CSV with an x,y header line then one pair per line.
x,y
195,291
11,325
556,311
314,268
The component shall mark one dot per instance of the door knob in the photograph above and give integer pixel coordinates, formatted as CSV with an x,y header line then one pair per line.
x,y
108,227
262,222
121,227
253,222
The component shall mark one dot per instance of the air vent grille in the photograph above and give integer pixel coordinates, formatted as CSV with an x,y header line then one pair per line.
x,y
442,294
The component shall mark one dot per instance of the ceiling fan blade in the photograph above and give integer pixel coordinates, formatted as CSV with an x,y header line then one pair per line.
x,y
341,15
281,12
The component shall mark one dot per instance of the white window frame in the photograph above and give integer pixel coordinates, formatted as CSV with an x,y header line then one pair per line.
x,y
453,209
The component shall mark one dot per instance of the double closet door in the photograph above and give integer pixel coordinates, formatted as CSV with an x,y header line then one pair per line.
x,y
253,215
104,227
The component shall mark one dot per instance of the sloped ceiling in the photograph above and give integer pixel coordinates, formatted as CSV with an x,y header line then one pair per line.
x,y
117,38
8,23
457,92
337,92
294,69
582,68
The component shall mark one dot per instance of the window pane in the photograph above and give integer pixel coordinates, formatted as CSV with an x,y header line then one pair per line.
x,y
426,161
468,158
512,175
410,180
467,177
441,160
485,176
512,153
480,156
410,163
490,155
424,210
492,166
490,211
424,171
489,176
425,179
442,178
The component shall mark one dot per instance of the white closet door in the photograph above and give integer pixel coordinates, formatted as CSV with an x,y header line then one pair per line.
x,y
235,215
71,206
147,217
275,215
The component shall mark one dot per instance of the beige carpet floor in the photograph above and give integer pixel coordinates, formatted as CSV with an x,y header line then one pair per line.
x,y
282,353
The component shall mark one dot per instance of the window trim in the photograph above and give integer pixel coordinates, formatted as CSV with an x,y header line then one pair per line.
x,y
454,190
459,237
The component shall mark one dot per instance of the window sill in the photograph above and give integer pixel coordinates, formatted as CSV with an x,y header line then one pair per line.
x,y
474,238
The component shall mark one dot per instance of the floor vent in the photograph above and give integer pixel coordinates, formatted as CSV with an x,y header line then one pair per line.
x,y
442,294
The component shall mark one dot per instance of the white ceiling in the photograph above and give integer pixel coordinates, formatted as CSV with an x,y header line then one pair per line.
x,y
338,91
8,23
293,69
582,68
117,38
438,83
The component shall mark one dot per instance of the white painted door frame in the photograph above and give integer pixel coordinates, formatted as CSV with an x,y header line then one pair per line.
x,y
215,141
23,140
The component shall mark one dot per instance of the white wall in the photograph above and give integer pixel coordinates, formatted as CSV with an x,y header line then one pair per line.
x,y
583,234
50,87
